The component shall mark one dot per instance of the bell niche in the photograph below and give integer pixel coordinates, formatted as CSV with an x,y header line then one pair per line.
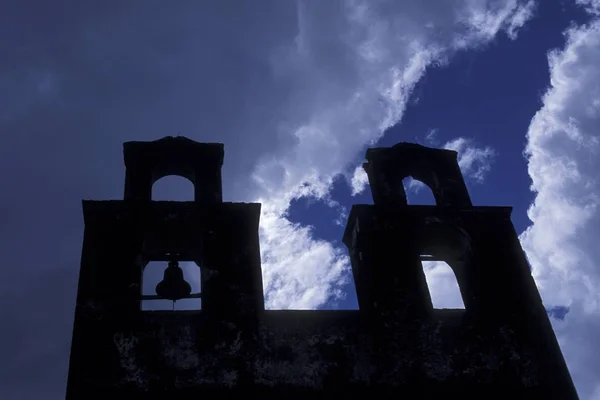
x,y
171,286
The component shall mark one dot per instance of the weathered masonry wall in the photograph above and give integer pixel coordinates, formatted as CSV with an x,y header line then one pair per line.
x,y
312,353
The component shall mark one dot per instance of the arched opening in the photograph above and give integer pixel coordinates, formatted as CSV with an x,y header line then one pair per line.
x,y
153,274
173,188
443,286
418,193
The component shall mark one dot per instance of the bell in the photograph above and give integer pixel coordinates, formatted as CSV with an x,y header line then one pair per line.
x,y
173,286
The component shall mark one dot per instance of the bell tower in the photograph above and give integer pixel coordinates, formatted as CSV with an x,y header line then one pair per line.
x,y
122,236
502,344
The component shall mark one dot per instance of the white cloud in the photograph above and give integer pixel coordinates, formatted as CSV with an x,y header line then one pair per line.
x,y
298,271
474,161
351,73
342,216
563,151
591,6
484,19
359,181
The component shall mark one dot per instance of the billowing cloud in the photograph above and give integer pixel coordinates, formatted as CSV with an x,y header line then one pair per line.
x,y
563,148
301,272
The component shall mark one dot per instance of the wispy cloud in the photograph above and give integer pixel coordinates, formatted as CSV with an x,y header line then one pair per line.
x,y
591,6
431,138
474,161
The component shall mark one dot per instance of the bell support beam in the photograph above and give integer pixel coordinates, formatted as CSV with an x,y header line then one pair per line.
x,y
157,297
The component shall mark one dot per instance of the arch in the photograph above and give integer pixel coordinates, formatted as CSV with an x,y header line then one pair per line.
x,y
436,168
173,188
425,175
444,240
418,192
446,256
148,162
162,171
152,274
443,285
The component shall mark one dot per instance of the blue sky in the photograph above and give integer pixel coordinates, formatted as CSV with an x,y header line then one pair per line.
x,y
296,91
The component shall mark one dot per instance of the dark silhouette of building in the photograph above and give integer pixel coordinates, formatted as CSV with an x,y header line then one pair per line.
x,y
396,346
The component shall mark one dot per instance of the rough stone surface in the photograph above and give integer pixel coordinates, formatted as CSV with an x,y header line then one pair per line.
x,y
395,346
